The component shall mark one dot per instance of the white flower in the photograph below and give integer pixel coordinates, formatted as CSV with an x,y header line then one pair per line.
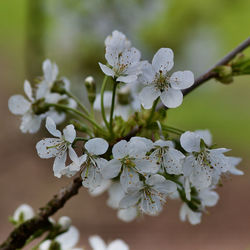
x,y
160,84
203,166
58,147
193,217
170,159
64,222
91,176
67,240
150,196
130,159
124,60
23,212
19,105
97,243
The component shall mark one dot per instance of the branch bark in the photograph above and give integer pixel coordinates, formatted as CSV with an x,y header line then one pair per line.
x,y
21,234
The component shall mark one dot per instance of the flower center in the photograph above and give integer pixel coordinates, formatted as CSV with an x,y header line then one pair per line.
x,y
161,81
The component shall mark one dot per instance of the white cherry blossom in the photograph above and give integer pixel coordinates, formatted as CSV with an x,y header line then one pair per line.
x,y
130,159
150,196
97,243
19,105
23,212
187,213
159,83
123,60
170,159
58,147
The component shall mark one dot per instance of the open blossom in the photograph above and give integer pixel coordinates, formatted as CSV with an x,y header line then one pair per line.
x,y
208,198
203,166
130,159
58,147
65,241
169,159
149,196
159,83
97,243
123,60
19,105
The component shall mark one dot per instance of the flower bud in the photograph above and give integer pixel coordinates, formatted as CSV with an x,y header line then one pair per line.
x,y
23,212
59,87
124,95
64,222
91,88
225,74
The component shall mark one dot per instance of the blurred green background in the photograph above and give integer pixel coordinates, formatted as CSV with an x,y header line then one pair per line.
x,y
72,34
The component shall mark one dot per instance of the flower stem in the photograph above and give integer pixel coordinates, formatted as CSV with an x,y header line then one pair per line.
x,y
152,111
84,109
77,112
104,83
112,108
172,129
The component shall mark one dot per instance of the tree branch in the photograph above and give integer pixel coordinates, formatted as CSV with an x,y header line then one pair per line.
x,y
21,234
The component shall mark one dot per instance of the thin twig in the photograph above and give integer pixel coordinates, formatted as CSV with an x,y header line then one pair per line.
x,y
21,234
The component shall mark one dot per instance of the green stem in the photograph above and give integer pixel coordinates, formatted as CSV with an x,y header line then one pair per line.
x,y
112,108
84,109
77,112
152,111
104,83
172,130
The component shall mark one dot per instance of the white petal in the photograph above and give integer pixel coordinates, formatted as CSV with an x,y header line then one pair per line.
x,y
51,127
28,90
42,90
91,177
146,166
107,100
129,200
130,56
182,79
127,214
97,243
30,123
151,205
104,185
72,155
26,211
148,95
106,70
45,245
129,179
69,133
205,135
18,105
46,148
190,142
59,164
148,144
120,149
68,239
193,217
50,71
162,143
127,79
209,198
116,193
96,146
172,98
148,74
118,245
163,60
162,185
112,169
57,117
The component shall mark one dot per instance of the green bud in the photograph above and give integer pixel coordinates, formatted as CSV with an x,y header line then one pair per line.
x,y
225,74
124,95
79,126
55,246
40,107
91,88
59,87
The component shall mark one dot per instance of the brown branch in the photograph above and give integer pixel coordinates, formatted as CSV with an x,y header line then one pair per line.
x,y
21,234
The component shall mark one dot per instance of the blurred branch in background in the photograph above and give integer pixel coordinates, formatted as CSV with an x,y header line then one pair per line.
x,y
35,37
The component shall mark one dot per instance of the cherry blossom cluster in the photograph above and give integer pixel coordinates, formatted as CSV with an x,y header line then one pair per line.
x,y
143,171
62,234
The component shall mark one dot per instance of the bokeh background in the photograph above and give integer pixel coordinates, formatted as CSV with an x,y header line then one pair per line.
x,y
71,33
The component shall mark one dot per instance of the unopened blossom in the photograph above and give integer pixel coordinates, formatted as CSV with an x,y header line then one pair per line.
x,y
97,243
170,159
65,241
123,60
202,166
19,105
58,147
159,82
150,196
23,212
130,159
187,213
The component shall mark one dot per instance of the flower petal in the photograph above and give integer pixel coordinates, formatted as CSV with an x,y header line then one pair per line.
x,y
73,156
116,193
46,148
111,169
182,79
51,127
146,166
190,142
130,200
127,79
163,60
118,245
107,99
205,135
25,210
69,133
97,243
148,95
50,71
59,164
129,179
18,105
28,90
106,70
120,149
96,146
172,98
68,239
30,123
127,214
